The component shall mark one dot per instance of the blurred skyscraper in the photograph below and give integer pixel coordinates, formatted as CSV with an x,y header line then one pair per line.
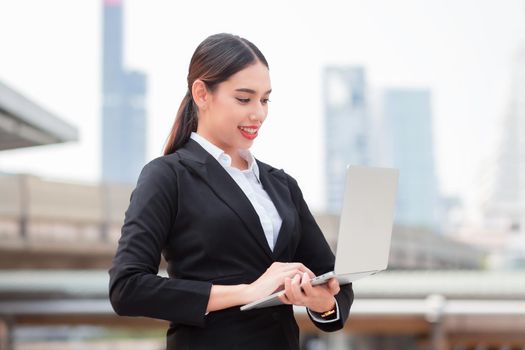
x,y
508,195
505,208
346,127
123,111
407,118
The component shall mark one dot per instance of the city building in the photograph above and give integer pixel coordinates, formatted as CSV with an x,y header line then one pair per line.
x,y
504,209
346,127
407,119
123,105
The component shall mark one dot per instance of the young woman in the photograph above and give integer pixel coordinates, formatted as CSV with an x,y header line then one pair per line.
x,y
231,228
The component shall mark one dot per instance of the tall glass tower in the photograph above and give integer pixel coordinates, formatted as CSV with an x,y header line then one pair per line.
x,y
123,107
346,127
505,208
408,119
508,197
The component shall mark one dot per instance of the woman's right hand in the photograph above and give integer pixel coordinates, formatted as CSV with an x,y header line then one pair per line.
x,y
273,278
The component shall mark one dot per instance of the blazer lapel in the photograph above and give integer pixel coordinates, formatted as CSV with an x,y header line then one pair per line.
x,y
193,156
275,183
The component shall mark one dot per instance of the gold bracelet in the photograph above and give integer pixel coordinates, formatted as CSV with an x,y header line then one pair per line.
x,y
327,313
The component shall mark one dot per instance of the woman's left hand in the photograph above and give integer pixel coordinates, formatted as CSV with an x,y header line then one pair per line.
x,y
299,291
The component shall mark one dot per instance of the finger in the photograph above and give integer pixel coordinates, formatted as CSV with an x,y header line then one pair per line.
x,y
307,270
333,285
306,285
290,274
284,272
288,290
284,299
304,278
295,285
292,269
300,272
300,267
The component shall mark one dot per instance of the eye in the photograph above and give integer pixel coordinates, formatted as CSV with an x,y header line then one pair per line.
x,y
243,100
265,101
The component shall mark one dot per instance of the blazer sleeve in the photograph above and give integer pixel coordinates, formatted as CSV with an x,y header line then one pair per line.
x,y
135,289
314,252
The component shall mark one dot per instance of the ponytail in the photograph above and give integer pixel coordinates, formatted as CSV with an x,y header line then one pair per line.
x,y
185,122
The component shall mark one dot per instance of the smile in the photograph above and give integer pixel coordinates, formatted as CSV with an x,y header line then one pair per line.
x,y
248,130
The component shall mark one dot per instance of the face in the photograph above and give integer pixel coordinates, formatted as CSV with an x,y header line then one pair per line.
x,y
231,116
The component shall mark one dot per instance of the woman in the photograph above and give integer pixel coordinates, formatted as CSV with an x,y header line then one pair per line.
x,y
231,228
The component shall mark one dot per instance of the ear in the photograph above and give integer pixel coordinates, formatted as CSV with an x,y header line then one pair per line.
x,y
200,94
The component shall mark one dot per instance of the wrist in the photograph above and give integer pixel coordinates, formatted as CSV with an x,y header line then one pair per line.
x,y
225,296
325,308
246,293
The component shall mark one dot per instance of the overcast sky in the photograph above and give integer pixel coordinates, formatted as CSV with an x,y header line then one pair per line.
x,y
460,49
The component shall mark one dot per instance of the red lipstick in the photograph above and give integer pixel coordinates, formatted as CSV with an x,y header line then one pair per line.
x,y
250,131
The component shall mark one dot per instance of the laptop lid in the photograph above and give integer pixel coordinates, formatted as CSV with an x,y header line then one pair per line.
x,y
367,216
365,227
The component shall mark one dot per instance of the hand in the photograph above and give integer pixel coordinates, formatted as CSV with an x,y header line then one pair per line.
x,y
299,291
274,277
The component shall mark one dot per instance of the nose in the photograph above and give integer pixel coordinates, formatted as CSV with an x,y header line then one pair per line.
x,y
258,114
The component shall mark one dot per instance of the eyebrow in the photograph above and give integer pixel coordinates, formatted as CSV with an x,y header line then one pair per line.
x,y
250,91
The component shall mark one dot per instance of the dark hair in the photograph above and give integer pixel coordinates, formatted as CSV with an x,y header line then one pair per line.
x,y
216,59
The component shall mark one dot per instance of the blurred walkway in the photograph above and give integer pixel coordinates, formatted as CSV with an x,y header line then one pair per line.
x,y
436,309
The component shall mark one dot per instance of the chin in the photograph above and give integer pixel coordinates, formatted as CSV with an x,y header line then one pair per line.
x,y
247,144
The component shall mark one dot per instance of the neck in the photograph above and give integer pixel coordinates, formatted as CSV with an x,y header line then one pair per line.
x,y
239,162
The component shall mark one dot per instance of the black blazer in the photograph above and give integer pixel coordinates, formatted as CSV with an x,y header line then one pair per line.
x,y
187,208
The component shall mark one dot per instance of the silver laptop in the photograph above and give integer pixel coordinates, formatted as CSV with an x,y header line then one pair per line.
x,y
365,228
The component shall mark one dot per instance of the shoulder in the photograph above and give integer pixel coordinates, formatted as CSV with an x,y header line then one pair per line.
x,y
166,162
162,171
